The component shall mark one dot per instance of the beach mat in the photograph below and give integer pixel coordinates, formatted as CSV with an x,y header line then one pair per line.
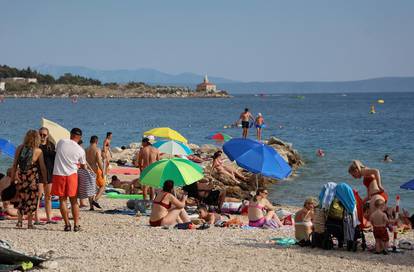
x,y
9,256
124,212
122,196
124,171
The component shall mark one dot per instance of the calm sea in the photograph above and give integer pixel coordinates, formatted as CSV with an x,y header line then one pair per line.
x,y
339,124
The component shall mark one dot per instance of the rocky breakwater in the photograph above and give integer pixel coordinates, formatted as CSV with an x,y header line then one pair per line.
x,y
221,182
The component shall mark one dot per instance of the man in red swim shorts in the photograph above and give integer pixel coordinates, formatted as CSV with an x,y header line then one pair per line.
x,y
69,155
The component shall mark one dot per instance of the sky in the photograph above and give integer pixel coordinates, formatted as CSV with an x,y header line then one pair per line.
x,y
309,40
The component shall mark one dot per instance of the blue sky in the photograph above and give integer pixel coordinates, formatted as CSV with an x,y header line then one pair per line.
x,y
242,40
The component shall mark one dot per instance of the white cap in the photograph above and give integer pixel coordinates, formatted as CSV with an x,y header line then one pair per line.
x,y
259,114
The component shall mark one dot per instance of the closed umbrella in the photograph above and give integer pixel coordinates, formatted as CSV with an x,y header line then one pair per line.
x,y
257,158
7,148
181,171
165,132
173,148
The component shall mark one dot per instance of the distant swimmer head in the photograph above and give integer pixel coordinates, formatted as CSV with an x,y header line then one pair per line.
x,y
246,110
320,153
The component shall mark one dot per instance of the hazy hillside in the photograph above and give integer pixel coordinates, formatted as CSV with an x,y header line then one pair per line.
x,y
150,76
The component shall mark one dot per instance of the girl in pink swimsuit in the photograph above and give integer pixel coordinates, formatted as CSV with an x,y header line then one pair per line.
x,y
261,211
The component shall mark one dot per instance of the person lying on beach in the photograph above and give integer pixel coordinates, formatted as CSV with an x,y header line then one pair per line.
x,y
167,209
261,211
205,193
371,180
210,218
226,170
128,186
304,219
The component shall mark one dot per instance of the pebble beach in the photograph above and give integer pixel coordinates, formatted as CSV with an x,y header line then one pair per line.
x,y
127,243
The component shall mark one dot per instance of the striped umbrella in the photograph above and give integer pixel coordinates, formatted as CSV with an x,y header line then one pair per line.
x,y
173,148
220,137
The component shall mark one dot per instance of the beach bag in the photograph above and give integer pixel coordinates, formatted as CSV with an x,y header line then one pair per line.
x,y
319,220
9,193
336,210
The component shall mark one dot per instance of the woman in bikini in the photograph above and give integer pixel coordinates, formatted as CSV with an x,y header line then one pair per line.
x,y
28,168
371,180
167,209
106,152
226,170
304,219
261,210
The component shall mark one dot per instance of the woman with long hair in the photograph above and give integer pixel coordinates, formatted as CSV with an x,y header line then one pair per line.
x,y
49,153
167,209
371,180
261,211
27,166
226,170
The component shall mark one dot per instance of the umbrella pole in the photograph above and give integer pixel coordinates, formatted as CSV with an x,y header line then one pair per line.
x,y
257,182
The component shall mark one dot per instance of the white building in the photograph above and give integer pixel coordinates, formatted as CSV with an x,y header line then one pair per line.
x,y
206,86
2,86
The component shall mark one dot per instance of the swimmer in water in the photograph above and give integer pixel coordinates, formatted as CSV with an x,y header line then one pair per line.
x,y
387,158
320,153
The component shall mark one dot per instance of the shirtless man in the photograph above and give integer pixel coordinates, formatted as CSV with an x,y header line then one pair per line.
x,y
245,117
106,152
94,159
146,156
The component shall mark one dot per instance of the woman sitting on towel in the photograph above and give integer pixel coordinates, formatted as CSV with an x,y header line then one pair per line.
x,y
261,211
371,180
226,170
303,220
167,209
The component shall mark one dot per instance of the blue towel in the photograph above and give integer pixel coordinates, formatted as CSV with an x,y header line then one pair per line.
x,y
345,194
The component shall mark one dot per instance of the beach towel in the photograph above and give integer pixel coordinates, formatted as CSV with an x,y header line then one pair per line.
x,y
327,195
345,194
86,183
284,241
271,224
116,211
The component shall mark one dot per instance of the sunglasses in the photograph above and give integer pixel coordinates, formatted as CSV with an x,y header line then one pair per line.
x,y
43,135
266,193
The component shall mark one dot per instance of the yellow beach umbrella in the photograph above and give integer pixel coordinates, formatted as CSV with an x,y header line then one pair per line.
x,y
165,132
56,132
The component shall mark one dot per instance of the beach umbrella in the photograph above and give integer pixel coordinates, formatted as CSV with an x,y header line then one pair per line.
x,y
408,185
166,132
257,158
173,148
56,131
181,171
7,148
220,137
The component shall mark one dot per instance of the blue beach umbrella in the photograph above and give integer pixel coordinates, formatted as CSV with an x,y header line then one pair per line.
x,y
7,148
257,158
408,185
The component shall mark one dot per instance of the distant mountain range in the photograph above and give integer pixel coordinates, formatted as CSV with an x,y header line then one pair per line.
x,y
152,76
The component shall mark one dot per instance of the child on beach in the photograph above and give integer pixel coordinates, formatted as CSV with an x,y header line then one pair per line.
x,y
379,221
209,217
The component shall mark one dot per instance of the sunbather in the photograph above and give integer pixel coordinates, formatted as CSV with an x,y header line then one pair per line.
x,y
261,211
226,170
303,220
167,209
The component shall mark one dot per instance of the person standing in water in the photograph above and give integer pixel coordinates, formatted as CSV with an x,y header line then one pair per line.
x,y
106,153
259,125
245,117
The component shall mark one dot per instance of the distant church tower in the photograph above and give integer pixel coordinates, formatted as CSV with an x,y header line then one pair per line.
x,y
206,86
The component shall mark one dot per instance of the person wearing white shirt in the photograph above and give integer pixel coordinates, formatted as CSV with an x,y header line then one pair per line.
x,y
69,157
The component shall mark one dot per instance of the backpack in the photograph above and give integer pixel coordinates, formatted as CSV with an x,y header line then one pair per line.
x,y
336,210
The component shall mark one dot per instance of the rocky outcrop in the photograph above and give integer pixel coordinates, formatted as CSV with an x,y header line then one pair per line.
x,y
233,189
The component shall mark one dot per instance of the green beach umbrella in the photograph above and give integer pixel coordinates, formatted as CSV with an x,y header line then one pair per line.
x,y
181,171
